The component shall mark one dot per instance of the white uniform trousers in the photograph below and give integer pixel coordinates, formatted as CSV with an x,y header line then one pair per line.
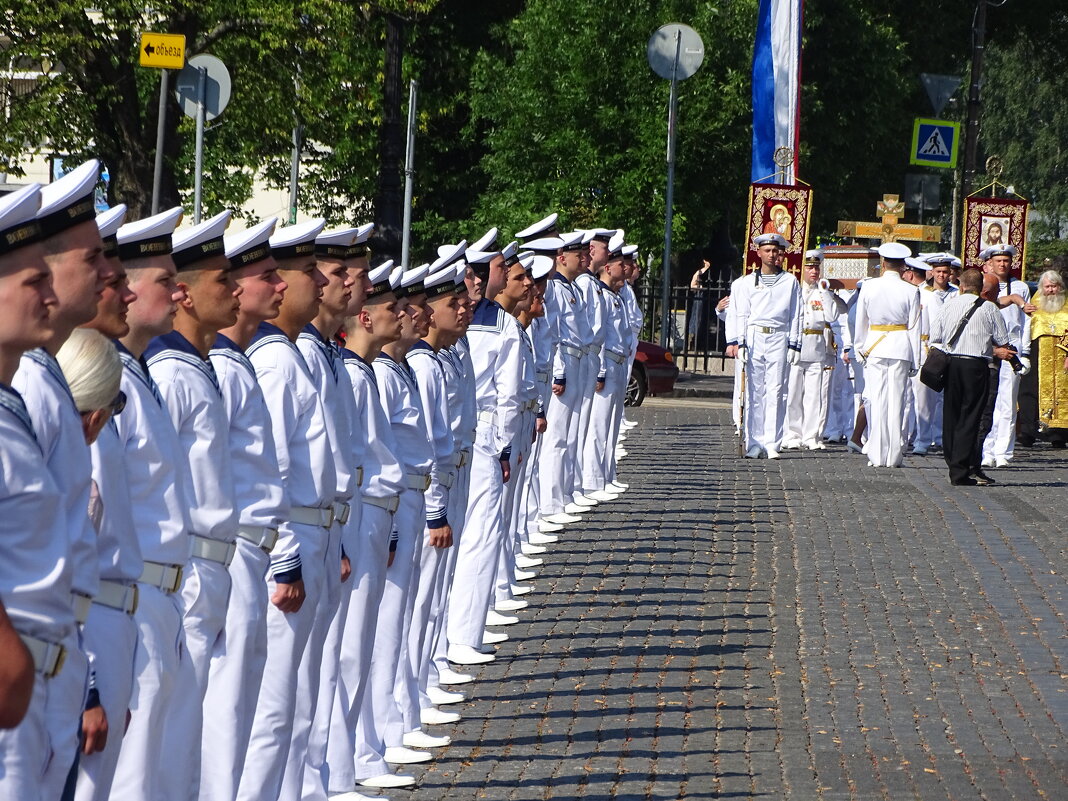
x,y
423,629
587,389
440,610
234,677
766,377
557,470
476,558
615,423
807,401
379,723
841,413
598,450
160,663
511,498
405,684
736,398
928,414
528,516
205,595
886,381
278,744
316,771
1000,443
357,643
111,636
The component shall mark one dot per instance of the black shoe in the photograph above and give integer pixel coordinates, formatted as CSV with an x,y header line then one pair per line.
x,y
1025,442
964,482
981,478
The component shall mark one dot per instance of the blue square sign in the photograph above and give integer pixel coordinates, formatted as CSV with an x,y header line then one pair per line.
x,y
935,143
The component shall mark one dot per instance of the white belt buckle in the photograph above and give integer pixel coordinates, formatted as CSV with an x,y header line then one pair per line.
x,y
341,512
263,537
214,550
48,657
359,476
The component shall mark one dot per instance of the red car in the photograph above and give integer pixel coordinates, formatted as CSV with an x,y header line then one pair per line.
x,y
654,373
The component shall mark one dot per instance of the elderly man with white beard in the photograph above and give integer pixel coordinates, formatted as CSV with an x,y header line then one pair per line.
x,y
1049,354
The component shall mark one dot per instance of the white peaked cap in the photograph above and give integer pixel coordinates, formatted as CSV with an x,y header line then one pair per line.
x,y
615,244
486,241
770,239
629,250
69,201
449,256
395,276
150,236
893,250
538,227
1001,250
414,275
917,264
573,240
600,233
250,245
296,240
461,271
510,250
17,212
363,233
527,260
542,266
340,238
545,244
200,241
380,273
108,222
441,282
480,256
814,255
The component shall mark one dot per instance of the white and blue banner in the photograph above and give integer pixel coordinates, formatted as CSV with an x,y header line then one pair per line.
x,y
776,86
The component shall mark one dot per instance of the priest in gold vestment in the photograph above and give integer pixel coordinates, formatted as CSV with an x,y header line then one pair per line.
x,y
1049,331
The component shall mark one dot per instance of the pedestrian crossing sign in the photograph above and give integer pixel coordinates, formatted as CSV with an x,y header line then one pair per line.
x,y
935,143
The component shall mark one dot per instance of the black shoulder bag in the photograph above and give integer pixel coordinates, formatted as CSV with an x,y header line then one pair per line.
x,y
933,372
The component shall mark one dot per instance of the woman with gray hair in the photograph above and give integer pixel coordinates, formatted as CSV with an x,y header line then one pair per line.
x,y
93,370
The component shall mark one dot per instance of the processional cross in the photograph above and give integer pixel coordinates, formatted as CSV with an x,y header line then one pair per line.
x,y
890,209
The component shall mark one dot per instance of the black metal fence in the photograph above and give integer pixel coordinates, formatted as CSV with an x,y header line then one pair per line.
x,y
695,333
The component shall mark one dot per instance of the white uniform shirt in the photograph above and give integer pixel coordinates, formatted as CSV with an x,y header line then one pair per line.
x,y
616,330
58,426
819,311
383,475
592,298
1017,323
301,442
494,345
460,393
118,551
155,467
540,334
635,317
561,307
260,496
399,395
35,567
889,300
191,391
754,304
430,378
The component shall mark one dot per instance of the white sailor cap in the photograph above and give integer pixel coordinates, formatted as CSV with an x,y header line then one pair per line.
x,y
69,201
893,250
363,233
448,255
395,277
546,245
545,226
526,259
148,237
630,251
440,282
615,246
107,224
411,281
479,261
199,242
601,234
18,228
814,256
461,277
575,240
955,262
918,265
486,241
510,253
379,278
335,243
251,245
1003,249
298,240
770,239
541,268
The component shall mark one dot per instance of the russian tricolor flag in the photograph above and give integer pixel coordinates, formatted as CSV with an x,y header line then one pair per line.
x,y
776,86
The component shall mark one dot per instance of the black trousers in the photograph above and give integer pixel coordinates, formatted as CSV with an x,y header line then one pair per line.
x,y
1027,400
967,387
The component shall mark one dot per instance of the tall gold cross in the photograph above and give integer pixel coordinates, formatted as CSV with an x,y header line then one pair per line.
x,y
890,209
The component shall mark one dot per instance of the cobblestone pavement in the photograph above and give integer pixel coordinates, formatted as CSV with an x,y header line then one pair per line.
x,y
804,629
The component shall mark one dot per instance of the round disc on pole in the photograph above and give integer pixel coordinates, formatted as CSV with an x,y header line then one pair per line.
x,y
217,88
662,48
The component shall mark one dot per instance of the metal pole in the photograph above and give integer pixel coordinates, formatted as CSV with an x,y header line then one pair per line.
x,y
198,180
157,169
294,170
956,204
409,175
971,139
666,267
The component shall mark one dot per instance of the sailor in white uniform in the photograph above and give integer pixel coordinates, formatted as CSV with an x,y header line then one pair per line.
x,y
35,568
637,321
887,338
155,472
274,767
375,324
261,501
764,324
110,633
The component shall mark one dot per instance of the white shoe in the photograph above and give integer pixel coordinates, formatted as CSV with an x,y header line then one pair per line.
x,y
439,697
450,678
400,755
420,739
466,655
628,423
351,796
771,453
545,527
495,618
851,445
388,780
621,452
575,510
518,589
754,452
919,450
604,495
616,487
813,445
584,500
1001,461
791,444
524,575
563,518
527,562
530,549
508,605
493,637
435,717
988,462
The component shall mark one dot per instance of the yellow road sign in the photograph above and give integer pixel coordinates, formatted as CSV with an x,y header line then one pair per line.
x,y
163,50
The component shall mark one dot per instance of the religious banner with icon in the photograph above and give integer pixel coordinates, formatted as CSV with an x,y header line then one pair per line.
x,y
992,221
779,209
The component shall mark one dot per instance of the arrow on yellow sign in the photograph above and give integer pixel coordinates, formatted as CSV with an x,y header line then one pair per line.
x,y
163,50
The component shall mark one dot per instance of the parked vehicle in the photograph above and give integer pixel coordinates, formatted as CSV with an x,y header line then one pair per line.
x,y
654,373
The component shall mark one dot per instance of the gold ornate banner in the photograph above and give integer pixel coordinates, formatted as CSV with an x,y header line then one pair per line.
x,y
994,221
779,209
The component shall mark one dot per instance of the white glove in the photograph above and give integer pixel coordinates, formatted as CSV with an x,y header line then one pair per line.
x,y
824,284
1025,365
793,356
743,351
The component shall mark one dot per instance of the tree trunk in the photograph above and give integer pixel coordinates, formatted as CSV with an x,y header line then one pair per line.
x,y
389,203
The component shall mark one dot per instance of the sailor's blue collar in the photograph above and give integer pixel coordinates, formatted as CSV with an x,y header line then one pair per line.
x,y
422,345
311,329
351,354
171,341
224,342
559,276
266,329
